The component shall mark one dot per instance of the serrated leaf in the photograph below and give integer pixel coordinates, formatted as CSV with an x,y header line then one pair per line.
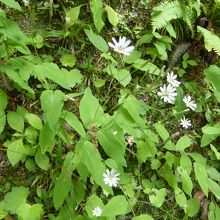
x,y
52,104
16,151
74,122
42,160
202,177
11,4
118,205
97,40
183,143
158,197
91,113
97,11
15,121
15,198
34,121
64,182
30,212
112,15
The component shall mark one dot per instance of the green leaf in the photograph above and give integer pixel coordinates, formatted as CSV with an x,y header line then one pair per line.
x,y
91,113
214,188
183,143
193,206
3,212
30,212
52,104
15,121
97,11
112,15
68,60
15,198
42,160
212,130
92,203
2,122
11,4
4,102
113,145
146,66
64,182
123,76
16,151
97,40
201,176
162,131
93,161
217,154
143,217
34,121
187,184
118,205
213,173
180,198
74,122
158,197
73,13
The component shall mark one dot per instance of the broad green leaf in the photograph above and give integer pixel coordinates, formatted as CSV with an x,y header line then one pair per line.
x,y
93,161
214,188
66,79
186,163
187,184
73,13
15,198
162,131
46,139
158,197
217,154
214,211
193,206
74,122
68,60
2,122
16,151
113,145
212,130
123,76
64,182
91,113
31,135
11,4
97,40
42,160
112,15
213,173
15,121
143,217
146,66
183,143
180,198
97,12
202,177
34,121
52,104
92,203
118,205
30,212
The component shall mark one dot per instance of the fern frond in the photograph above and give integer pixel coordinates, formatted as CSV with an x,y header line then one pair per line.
x,y
166,12
212,41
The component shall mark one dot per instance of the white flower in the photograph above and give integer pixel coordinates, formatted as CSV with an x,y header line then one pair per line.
x,y
26,2
168,93
68,21
121,46
190,104
185,122
97,211
171,78
111,177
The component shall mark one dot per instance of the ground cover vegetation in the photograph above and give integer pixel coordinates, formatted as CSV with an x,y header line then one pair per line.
x,y
109,109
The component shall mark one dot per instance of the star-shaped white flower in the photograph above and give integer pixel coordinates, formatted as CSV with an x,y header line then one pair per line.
x,y
185,122
97,211
172,79
168,93
111,177
189,103
121,46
